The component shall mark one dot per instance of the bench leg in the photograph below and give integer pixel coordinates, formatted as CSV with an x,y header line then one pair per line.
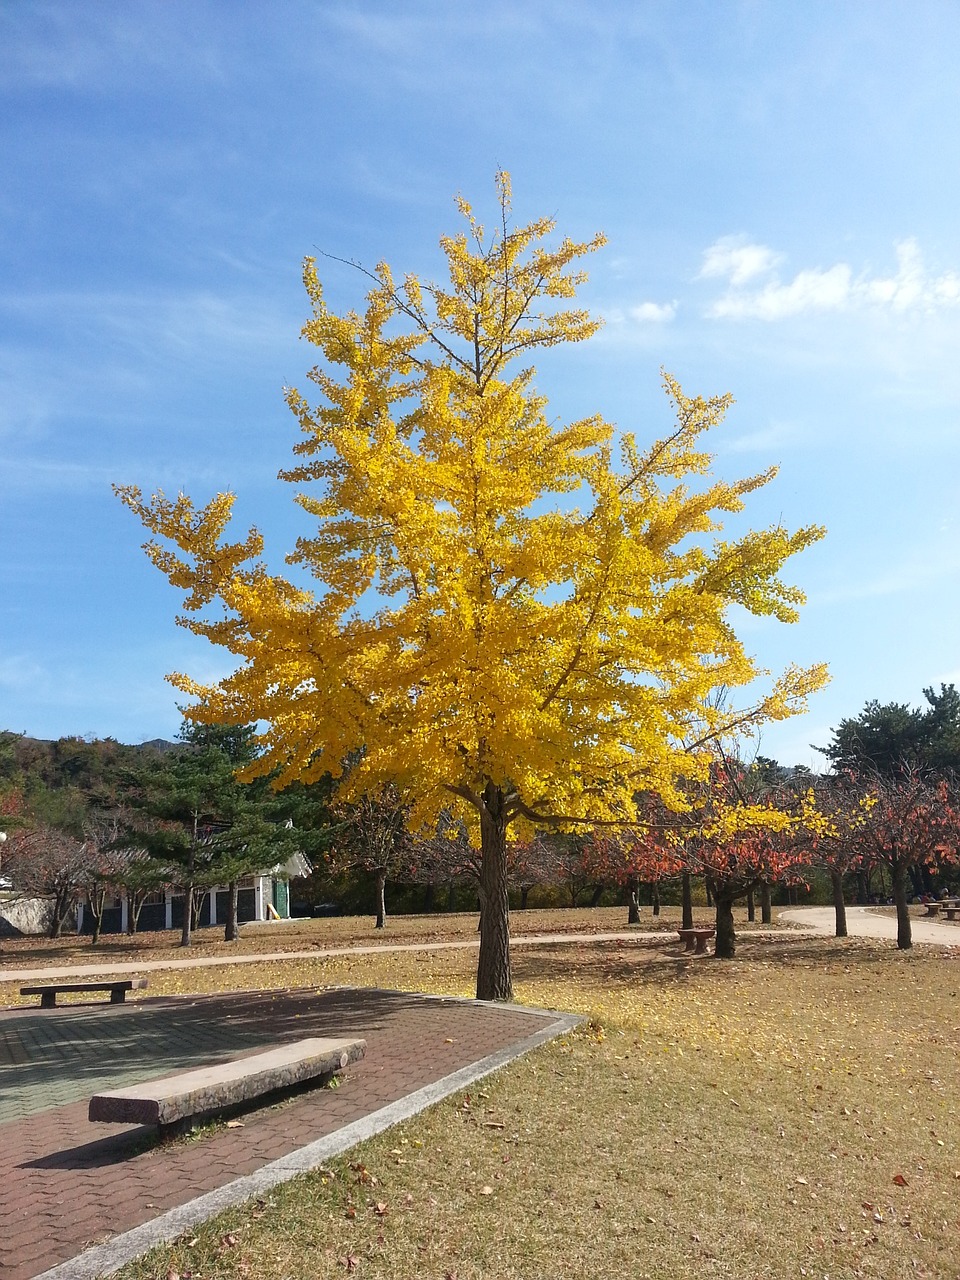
x,y
48,1000
689,944
117,995
701,947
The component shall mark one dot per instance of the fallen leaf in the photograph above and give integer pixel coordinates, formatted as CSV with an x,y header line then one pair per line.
x,y
234,1124
486,1191
380,1208
899,1180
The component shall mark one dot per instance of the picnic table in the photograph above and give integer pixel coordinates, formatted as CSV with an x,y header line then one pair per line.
x,y
949,906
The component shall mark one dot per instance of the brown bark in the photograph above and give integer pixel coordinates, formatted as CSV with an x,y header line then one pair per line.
x,y
839,906
726,944
686,901
766,905
231,928
751,907
494,980
904,930
633,914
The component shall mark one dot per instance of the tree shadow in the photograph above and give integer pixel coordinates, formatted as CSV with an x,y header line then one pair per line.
x,y
66,1054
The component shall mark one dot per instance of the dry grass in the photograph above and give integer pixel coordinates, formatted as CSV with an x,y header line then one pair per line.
x,y
789,1114
298,936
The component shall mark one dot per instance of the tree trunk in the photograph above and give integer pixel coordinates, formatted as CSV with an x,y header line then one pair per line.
x,y
187,927
524,895
633,915
839,906
655,898
493,967
61,909
904,931
136,901
96,911
726,944
710,901
429,896
766,904
596,895
686,901
231,928
452,896
381,899
751,907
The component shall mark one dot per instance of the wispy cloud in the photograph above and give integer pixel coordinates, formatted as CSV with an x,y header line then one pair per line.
x,y
20,673
838,288
777,435
914,573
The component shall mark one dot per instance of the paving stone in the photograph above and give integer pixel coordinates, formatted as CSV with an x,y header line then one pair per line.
x,y
66,1183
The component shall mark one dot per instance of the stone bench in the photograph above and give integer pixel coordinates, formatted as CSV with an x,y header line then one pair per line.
x,y
48,991
696,940
173,1103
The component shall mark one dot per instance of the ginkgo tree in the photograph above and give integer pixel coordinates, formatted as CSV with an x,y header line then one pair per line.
x,y
510,616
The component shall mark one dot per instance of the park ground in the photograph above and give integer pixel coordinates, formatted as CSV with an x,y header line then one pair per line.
x,y
788,1113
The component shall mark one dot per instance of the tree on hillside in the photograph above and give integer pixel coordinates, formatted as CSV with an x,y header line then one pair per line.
x,y
507,619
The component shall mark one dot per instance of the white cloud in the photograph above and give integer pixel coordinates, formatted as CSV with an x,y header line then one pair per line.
x,y
737,260
818,289
653,312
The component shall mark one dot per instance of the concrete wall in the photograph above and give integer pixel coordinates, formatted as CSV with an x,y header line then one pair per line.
x,y
27,916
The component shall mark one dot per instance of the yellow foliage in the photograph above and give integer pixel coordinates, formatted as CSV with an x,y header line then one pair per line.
x,y
498,599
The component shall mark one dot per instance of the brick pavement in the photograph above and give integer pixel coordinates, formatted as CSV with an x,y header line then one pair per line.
x,y
66,1184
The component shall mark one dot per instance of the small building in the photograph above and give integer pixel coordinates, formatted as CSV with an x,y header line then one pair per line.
x,y
265,896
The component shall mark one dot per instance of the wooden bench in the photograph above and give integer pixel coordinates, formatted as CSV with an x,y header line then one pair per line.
x,y
696,940
173,1103
48,991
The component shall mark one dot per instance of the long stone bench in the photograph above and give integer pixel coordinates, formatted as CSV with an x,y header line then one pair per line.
x,y
48,991
172,1104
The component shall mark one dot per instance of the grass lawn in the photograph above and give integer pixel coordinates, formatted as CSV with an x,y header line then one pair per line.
x,y
790,1113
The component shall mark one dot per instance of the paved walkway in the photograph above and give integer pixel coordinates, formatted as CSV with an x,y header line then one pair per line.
x,y
108,1192
873,922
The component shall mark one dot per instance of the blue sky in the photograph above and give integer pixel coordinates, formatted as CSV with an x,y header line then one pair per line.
x,y
779,184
